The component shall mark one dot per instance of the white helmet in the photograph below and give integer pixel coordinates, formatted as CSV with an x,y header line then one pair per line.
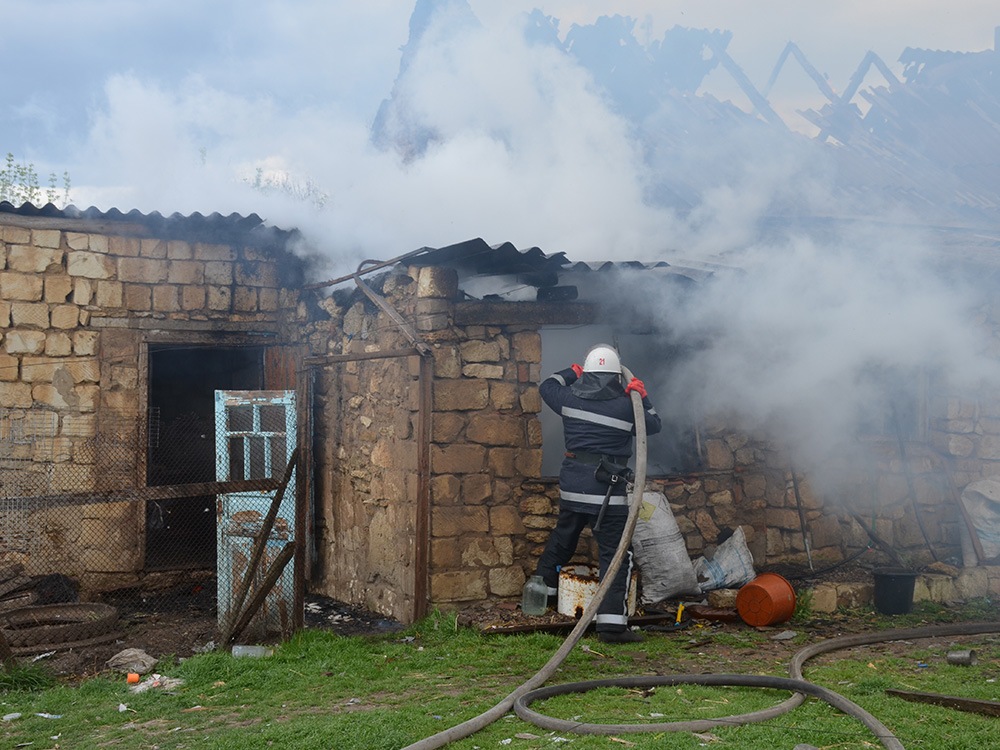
x,y
602,358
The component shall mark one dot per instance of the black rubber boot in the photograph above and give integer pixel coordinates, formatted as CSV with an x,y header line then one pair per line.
x,y
619,636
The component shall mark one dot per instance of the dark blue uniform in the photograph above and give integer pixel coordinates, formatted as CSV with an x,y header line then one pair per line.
x,y
599,425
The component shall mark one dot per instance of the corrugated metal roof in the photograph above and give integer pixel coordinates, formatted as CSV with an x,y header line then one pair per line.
x,y
477,257
232,229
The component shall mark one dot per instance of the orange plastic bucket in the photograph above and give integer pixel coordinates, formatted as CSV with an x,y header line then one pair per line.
x,y
767,600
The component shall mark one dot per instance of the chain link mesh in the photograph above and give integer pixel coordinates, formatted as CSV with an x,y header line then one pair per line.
x,y
92,516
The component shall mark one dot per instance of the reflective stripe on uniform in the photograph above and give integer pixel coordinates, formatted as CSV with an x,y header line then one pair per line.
x,y
579,497
558,378
611,619
589,416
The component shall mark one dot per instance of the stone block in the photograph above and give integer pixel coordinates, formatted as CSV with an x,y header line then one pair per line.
x,y
446,553
24,342
480,351
152,248
15,235
459,586
58,344
495,430
142,270
722,598
219,273
476,489
47,238
85,343
461,395
479,552
527,347
824,598
9,367
267,300
459,520
79,425
15,395
433,314
65,316
505,520
490,372
21,287
204,251
29,314
507,581
539,505
531,401
90,265
458,459
501,461
186,272
166,298
436,282
126,247
446,489
110,294
83,291
29,259
528,462
854,595
193,297
137,297
219,298
245,299
447,363
718,455
179,250
256,274
972,583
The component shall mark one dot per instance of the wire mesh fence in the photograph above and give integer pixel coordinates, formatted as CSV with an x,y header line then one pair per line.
x,y
103,520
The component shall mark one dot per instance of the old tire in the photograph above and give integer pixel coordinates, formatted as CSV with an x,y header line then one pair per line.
x,y
56,623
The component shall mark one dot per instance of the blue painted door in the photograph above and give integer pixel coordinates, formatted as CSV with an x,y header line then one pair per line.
x,y
255,437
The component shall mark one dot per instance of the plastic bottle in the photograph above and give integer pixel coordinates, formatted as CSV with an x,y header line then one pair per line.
x,y
258,651
535,598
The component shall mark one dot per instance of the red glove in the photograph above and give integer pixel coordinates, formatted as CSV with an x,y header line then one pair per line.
x,y
636,385
577,369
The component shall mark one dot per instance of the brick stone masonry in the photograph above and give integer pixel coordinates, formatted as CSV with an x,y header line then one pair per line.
x,y
76,307
491,508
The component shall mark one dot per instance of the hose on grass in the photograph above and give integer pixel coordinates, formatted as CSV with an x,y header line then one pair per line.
x,y
531,690
796,683
486,718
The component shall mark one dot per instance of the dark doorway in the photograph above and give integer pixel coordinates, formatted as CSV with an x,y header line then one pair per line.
x,y
180,533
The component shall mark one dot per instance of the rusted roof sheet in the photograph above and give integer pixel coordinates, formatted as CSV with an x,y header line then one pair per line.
x,y
232,229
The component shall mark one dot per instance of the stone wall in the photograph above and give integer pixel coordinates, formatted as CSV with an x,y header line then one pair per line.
x,y
76,304
491,510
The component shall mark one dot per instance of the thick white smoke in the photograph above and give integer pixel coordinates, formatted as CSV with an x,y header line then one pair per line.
x,y
526,149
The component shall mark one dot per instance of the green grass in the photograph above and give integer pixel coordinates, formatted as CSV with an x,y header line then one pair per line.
x,y
325,691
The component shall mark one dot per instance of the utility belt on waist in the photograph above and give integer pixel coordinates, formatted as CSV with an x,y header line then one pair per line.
x,y
595,458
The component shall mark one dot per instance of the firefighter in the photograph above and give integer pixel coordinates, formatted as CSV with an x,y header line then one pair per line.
x,y
598,425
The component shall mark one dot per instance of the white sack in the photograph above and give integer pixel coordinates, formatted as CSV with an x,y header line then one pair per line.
x,y
730,567
665,568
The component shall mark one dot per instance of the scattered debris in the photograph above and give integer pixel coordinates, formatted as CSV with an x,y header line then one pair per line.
x,y
132,660
784,635
156,681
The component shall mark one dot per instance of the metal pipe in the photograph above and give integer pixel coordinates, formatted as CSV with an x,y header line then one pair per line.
x,y
422,526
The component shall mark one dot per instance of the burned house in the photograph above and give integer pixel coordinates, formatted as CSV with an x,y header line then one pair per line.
x,y
425,464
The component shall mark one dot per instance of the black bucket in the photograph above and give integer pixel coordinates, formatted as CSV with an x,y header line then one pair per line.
x,y
894,590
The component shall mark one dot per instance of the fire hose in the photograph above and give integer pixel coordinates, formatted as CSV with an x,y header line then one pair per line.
x,y
476,723
532,690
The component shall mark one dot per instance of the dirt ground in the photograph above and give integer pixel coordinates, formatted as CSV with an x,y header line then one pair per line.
x,y
183,623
